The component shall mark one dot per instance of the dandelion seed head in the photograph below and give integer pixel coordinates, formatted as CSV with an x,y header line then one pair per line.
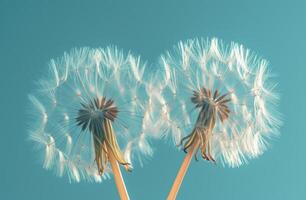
x,y
223,93
82,89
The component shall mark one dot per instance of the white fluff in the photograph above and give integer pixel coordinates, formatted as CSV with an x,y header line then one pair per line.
x,y
231,69
77,77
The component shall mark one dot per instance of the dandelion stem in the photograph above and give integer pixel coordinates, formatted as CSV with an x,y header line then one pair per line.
x,y
180,175
118,177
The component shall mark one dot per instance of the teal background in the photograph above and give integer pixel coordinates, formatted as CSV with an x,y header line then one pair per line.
x,y
32,32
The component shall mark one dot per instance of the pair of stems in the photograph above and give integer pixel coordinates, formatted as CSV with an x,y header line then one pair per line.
x,y
177,182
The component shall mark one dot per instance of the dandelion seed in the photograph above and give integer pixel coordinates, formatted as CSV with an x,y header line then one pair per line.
x,y
99,99
228,100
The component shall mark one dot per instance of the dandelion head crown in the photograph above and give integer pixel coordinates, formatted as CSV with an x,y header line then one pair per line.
x,y
90,104
217,99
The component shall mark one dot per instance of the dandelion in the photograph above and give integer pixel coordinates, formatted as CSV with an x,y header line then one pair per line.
x,y
92,102
215,99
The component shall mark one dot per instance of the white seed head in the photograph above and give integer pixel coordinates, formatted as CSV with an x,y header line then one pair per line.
x,y
232,70
77,78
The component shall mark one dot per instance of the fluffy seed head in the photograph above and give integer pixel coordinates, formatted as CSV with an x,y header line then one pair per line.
x,y
205,83
83,89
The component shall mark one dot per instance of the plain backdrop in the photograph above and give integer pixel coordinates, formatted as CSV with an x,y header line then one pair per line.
x,y
32,32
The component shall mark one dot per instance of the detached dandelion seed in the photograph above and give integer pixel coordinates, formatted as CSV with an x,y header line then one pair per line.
x,y
217,100
91,103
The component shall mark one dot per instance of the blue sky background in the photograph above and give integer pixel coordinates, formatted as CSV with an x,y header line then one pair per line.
x,y
32,32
